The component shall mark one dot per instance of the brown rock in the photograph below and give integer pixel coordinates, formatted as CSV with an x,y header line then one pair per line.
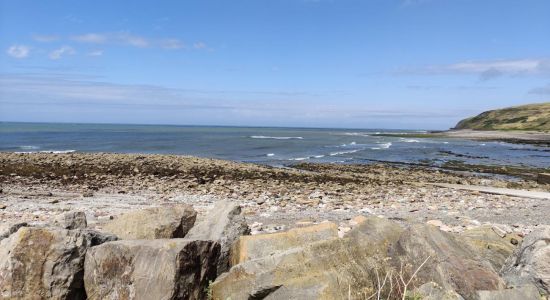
x,y
153,223
256,246
324,268
224,223
151,269
490,245
445,260
45,263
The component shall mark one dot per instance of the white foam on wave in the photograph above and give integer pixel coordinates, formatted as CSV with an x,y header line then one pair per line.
x,y
382,146
270,154
47,151
307,157
299,158
409,140
276,137
30,147
344,152
58,151
356,134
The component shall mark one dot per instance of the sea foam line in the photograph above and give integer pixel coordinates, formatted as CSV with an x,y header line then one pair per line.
x,y
276,137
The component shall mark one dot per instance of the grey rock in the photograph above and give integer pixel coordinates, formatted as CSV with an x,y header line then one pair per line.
x,y
224,223
71,220
309,263
151,269
447,261
527,292
7,228
44,263
432,291
153,223
530,263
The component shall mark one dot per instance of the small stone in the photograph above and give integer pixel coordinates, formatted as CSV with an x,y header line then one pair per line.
x,y
88,194
54,201
3,206
260,201
499,231
435,223
514,241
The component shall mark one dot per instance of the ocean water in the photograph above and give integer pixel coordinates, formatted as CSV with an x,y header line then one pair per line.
x,y
272,146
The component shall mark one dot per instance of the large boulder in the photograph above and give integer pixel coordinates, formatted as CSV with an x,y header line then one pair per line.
x,y
530,263
492,247
438,256
224,223
261,245
164,222
45,263
151,269
322,266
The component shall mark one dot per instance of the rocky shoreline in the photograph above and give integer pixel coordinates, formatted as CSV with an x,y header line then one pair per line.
x,y
38,189
541,138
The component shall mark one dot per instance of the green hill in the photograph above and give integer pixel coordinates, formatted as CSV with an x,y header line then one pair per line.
x,y
525,117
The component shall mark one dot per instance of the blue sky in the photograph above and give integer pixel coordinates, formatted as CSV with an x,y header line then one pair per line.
x,y
321,63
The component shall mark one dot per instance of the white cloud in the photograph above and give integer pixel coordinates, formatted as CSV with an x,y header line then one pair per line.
x,y
487,69
18,51
172,44
45,38
132,40
199,45
92,38
128,39
59,53
95,53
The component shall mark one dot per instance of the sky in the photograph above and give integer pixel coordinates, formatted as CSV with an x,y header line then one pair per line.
x,y
409,64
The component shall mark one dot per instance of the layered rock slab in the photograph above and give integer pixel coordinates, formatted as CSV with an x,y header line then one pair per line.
x,y
440,257
324,267
530,263
261,245
491,246
45,263
224,223
153,223
151,269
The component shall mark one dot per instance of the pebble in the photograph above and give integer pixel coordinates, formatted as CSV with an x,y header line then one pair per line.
x,y
499,231
436,223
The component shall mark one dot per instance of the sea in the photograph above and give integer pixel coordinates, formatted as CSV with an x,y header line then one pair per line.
x,y
266,145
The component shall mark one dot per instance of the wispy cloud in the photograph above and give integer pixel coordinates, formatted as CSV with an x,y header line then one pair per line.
x,y
199,45
172,44
92,38
63,51
18,51
172,105
95,53
129,39
132,40
45,38
486,69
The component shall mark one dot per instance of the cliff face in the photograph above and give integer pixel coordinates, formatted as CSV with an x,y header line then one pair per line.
x,y
525,117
